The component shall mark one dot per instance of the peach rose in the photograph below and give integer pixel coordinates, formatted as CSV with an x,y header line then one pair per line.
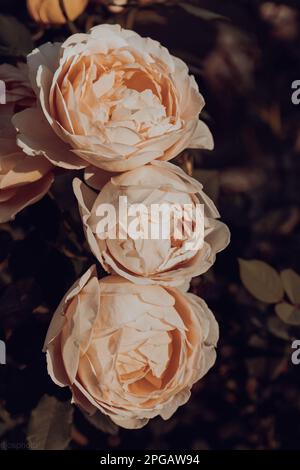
x,y
23,179
112,99
171,259
19,93
131,351
51,11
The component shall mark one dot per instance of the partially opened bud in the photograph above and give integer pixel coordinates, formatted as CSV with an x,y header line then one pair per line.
x,y
54,11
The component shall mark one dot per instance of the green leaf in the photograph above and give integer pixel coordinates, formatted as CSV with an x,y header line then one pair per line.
x,y
15,39
50,425
261,280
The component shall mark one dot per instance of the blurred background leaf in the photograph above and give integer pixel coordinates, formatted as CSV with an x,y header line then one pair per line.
x,y
50,425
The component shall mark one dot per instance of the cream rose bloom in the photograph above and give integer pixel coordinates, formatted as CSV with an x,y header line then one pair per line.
x,y
131,351
23,180
169,260
112,99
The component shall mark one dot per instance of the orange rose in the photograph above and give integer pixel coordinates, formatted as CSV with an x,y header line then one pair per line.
x,y
112,99
131,351
51,11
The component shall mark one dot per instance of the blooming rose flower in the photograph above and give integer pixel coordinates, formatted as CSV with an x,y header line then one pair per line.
x,y
170,259
112,99
23,179
131,351
19,93
51,12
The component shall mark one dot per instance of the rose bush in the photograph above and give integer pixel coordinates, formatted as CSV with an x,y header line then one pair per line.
x,y
171,260
112,99
131,351
130,345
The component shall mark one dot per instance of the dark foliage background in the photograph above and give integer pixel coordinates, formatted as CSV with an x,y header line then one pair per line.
x,y
244,56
